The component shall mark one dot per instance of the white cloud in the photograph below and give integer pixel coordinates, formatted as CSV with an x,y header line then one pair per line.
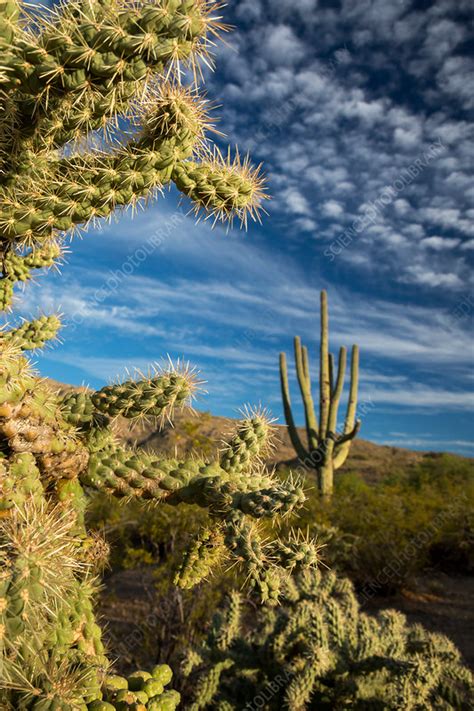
x,y
423,275
440,243
407,138
419,396
428,443
281,46
402,206
249,10
296,201
332,208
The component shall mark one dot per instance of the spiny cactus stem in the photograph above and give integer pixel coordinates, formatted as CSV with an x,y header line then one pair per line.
x,y
302,365
324,382
292,431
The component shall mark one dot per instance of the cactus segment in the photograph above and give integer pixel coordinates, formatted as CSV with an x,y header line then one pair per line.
x,y
34,334
155,396
251,441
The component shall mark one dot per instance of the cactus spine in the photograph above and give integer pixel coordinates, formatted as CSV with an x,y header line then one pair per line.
x,y
325,451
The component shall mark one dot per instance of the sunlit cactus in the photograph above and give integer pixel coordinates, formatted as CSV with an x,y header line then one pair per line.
x,y
94,119
318,650
55,451
325,450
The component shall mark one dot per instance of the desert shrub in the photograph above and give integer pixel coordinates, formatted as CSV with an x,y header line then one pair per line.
x,y
142,536
393,529
199,441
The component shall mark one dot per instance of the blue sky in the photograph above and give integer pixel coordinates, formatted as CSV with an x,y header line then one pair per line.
x,y
359,111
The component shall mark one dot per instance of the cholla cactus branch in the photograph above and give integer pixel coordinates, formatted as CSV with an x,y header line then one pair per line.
x,y
18,267
325,450
249,443
54,449
153,396
34,334
88,65
206,552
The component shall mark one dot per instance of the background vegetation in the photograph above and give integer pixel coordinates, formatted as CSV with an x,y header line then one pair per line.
x,y
382,533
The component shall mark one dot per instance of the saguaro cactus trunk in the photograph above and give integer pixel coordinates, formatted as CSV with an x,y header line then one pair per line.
x,y
325,450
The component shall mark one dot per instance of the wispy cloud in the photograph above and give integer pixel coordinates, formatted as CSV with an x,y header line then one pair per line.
x,y
350,134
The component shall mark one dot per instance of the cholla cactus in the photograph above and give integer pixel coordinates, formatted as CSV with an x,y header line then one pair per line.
x,y
68,80
57,449
326,450
319,651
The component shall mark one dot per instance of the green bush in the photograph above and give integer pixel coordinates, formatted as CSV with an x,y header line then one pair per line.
x,y
155,540
383,533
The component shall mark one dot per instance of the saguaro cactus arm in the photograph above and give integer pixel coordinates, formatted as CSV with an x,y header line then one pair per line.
x,y
301,451
336,390
351,426
302,372
331,370
324,378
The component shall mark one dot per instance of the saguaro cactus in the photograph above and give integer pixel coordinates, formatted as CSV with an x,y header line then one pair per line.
x,y
325,450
